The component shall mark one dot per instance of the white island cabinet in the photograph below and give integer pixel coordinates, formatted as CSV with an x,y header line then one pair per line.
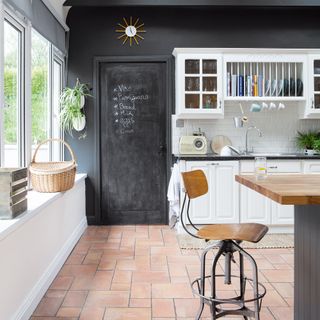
x,y
221,203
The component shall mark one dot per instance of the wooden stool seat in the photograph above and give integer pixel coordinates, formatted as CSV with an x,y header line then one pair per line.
x,y
252,232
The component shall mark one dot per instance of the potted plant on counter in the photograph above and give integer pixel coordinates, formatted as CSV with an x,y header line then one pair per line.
x,y
308,141
72,101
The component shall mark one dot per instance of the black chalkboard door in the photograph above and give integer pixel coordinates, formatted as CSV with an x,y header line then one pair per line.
x,y
133,142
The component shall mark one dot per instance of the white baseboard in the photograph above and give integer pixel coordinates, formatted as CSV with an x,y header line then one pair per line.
x,y
32,300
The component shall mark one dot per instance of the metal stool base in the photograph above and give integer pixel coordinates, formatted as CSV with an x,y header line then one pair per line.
x,y
218,306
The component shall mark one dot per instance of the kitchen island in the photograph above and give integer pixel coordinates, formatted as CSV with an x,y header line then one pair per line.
x,y
302,191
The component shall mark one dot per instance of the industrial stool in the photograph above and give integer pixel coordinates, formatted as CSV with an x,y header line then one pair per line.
x,y
230,236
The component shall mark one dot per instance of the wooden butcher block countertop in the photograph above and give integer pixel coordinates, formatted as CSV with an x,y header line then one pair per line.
x,y
298,189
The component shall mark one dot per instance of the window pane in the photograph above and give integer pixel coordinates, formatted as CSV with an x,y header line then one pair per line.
x,y
40,94
12,92
56,90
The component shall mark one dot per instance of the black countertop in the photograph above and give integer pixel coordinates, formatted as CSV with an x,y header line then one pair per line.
x,y
216,157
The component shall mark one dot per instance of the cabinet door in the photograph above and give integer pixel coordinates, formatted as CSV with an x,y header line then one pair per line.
x,y
224,191
311,166
254,207
199,86
281,214
313,101
200,212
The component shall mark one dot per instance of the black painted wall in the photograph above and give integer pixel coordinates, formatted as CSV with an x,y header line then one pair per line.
x,y
93,34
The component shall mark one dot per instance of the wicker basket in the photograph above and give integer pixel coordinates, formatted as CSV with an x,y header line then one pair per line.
x,y
52,176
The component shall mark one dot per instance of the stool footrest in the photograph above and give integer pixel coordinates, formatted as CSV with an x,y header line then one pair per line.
x,y
238,300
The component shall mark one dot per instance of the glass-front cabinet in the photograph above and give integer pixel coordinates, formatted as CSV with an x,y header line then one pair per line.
x,y
198,86
313,103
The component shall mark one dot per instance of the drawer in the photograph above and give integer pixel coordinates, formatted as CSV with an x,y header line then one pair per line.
x,y
275,166
311,167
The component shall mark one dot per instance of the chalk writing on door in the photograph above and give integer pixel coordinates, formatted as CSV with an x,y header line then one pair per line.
x,y
125,102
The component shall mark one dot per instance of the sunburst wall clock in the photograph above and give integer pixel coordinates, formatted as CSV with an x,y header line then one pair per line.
x,y
130,31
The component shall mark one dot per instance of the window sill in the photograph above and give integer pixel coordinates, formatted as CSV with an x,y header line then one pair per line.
x,y
36,203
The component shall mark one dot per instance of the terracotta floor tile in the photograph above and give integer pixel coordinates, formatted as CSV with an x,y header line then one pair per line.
x,y
122,276
140,303
92,313
78,270
61,283
48,307
93,257
107,299
273,299
278,275
177,270
285,289
100,281
120,286
177,290
107,265
162,308
75,258
281,313
75,299
133,265
141,290
56,293
128,314
189,308
151,277
69,312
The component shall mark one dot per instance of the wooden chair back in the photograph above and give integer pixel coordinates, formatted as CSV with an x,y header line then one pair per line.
x,y
195,183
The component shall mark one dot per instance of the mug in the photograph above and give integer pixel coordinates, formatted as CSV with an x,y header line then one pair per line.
x,y
255,107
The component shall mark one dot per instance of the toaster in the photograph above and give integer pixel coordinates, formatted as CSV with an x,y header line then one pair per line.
x,y
193,145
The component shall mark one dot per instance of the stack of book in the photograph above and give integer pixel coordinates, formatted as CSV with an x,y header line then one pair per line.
x,y
245,85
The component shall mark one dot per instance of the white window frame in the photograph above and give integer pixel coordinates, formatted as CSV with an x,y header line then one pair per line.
x,y
25,109
19,24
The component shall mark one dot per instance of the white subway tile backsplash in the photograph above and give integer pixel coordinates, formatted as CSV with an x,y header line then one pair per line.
x,y
279,128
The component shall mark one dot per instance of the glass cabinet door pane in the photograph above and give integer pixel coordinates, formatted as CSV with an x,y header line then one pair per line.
x,y
192,101
209,66
316,67
317,84
192,66
209,84
209,101
317,101
192,84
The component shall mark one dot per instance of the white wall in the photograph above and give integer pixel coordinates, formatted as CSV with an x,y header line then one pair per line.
x,y
279,128
34,251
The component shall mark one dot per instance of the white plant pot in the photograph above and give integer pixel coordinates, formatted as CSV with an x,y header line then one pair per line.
x,y
309,152
79,123
82,101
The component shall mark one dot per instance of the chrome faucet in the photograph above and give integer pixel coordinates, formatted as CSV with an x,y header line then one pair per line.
x,y
248,129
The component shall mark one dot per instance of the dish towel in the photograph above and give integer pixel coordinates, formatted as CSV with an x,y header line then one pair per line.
x,y
173,195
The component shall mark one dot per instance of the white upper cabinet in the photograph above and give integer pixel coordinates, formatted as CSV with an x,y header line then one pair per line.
x,y
198,86
207,79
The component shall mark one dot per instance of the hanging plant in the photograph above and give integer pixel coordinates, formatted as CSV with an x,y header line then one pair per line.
x,y
72,101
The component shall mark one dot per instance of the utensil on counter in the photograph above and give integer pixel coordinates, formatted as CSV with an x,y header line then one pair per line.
x,y
218,142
